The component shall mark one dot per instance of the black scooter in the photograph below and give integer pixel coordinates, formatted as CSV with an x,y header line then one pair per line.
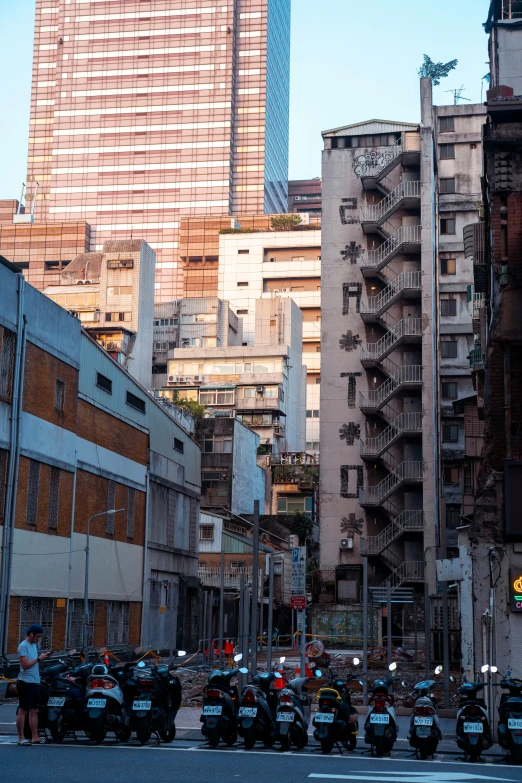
x,y
473,731
47,676
336,720
66,702
156,701
425,733
380,728
510,717
221,706
256,716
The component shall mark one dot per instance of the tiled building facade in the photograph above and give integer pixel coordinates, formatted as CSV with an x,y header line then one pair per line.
x,y
143,112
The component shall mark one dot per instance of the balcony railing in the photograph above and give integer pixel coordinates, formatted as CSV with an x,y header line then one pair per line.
x,y
476,360
406,327
375,398
211,577
405,471
405,422
404,281
373,213
404,235
406,521
408,571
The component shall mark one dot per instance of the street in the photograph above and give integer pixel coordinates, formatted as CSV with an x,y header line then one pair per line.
x,y
188,762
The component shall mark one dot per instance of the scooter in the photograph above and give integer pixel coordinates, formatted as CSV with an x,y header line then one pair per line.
x,y
510,716
105,709
257,711
473,731
48,674
157,699
221,706
425,733
293,714
380,728
66,701
336,720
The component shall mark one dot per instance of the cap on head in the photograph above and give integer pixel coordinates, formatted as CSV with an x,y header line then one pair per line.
x,y
35,628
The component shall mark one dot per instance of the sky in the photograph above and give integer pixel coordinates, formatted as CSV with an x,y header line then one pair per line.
x,y
350,61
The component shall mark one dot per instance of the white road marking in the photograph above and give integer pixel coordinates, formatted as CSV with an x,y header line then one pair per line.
x,y
406,777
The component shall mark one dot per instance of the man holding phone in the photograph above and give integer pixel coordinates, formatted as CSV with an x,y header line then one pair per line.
x,y
28,683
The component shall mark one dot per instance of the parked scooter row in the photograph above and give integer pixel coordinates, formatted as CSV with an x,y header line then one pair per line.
x,y
100,698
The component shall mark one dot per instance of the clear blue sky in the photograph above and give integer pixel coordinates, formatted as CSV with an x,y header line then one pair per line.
x,y
351,61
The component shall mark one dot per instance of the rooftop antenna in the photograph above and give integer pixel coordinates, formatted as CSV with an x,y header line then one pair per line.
x,y
457,94
21,199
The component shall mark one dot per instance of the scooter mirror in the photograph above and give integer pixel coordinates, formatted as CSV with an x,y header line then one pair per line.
x,y
363,682
405,684
493,669
356,661
238,657
392,667
484,668
282,660
243,670
72,652
438,670
318,673
141,665
181,653
278,676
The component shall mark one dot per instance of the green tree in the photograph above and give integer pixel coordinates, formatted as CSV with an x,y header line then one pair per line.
x,y
191,406
302,526
285,222
435,71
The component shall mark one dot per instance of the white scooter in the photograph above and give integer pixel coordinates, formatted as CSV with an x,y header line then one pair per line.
x,y
105,709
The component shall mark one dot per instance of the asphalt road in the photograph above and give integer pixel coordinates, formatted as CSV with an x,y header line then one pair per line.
x,y
111,763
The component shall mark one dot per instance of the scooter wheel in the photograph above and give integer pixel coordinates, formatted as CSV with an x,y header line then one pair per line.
x,y
301,741
474,755
249,739
269,742
143,731
167,735
96,730
327,745
57,728
286,743
213,737
350,743
124,734
231,739
516,755
379,746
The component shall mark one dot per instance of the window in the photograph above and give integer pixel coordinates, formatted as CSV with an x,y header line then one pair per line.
x,y
33,488
119,290
447,151
452,516
318,380
40,611
448,307
4,459
312,414
104,383
237,565
447,226
135,402
242,312
216,397
448,266
448,349
243,252
447,185
214,487
131,504
160,346
179,445
159,369
450,433
7,353
312,445
451,476
468,478
218,444
75,634
111,500
450,390
114,317
206,532
54,499
118,613
59,395
295,503
447,125
271,391
242,284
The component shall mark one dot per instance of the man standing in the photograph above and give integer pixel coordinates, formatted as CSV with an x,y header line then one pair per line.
x,y
28,683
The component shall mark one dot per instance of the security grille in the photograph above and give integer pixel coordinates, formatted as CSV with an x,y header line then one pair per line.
x,y
33,489
193,524
4,461
75,632
40,611
131,502
59,395
111,499
7,352
118,614
54,499
171,516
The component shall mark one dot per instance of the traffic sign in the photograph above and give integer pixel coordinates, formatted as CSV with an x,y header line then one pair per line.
x,y
298,602
298,585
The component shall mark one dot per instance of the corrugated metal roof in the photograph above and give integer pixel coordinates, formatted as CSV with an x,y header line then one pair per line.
x,y
372,126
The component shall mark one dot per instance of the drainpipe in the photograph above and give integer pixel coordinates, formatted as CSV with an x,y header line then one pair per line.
x,y
145,606
12,475
69,573
14,460
506,355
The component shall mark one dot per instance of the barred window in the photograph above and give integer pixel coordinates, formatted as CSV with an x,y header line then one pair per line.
x,y
54,499
33,488
193,524
131,502
39,611
111,500
59,395
75,630
118,614
7,353
4,461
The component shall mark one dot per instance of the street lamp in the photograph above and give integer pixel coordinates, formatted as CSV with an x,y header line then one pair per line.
x,y
86,590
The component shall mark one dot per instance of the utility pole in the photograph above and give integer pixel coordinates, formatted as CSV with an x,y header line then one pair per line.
x,y
269,632
221,606
255,587
365,624
389,620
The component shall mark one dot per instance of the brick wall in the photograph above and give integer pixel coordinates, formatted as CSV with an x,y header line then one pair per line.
x,y
91,498
64,505
41,372
111,433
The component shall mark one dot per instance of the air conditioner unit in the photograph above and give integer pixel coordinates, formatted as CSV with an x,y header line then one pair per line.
x,y
181,379
275,291
272,259
197,378
285,290
87,282
346,543
79,282
173,378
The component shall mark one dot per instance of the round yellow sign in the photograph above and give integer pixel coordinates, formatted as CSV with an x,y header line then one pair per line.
x,y
517,584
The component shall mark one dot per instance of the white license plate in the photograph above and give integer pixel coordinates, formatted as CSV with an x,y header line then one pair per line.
x,y
141,705
473,728
514,723
56,701
379,718
417,721
325,717
285,717
96,703
212,710
247,712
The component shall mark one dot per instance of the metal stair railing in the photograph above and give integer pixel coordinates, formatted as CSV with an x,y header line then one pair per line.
x,y
405,471
405,422
406,327
373,213
376,398
405,280
374,259
408,571
407,520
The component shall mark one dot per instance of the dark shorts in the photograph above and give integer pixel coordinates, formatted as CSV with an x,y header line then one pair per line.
x,y
28,695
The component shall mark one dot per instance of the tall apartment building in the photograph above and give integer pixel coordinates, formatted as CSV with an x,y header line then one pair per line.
x,y
304,195
142,112
396,335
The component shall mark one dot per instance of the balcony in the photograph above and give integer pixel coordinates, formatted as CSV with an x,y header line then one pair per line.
x,y
258,404
404,196
405,472
407,521
211,577
404,286
406,239
405,423
476,359
405,330
408,571
409,376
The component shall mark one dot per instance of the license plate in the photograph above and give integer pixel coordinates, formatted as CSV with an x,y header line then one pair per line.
x,y
379,718
212,710
514,723
58,701
285,717
473,728
417,721
247,712
142,705
96,703
325,717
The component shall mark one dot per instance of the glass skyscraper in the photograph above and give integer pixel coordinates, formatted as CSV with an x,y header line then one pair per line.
x,y
144,111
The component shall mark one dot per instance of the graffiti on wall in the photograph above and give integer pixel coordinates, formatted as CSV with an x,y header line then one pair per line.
x,y
345,480
352,386
371,162
351,291
352,252
350,432
351,526
349,341
348,211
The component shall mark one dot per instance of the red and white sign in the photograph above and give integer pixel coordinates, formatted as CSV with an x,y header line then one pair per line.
x,y
298,602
